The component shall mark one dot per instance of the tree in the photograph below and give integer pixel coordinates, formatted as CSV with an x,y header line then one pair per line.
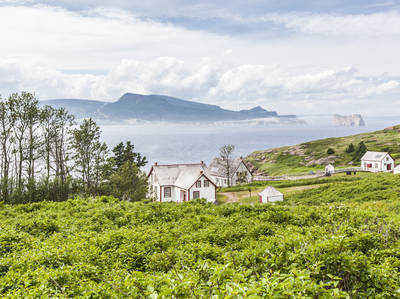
x,y
124,153
226,160
24,110
359,152
330,151
6,142
350,148
89,153
129,183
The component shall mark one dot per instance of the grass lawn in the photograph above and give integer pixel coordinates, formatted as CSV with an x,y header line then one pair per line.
x,y
241,194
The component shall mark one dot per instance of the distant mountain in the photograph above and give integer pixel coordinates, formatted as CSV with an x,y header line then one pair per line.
x,y
156,108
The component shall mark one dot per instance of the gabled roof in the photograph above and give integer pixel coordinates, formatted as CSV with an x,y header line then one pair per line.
x,y
180,175
270,191
217,169
374,156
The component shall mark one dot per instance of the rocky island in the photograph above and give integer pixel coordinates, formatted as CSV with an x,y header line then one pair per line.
x,y
354,120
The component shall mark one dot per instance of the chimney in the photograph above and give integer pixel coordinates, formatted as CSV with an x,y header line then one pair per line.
x,y
201,162
241,158
155,164
201,171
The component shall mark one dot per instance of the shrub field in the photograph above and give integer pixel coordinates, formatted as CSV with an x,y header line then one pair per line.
x,y
340,240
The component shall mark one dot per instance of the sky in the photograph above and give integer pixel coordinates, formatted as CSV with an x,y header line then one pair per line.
x,y
295,57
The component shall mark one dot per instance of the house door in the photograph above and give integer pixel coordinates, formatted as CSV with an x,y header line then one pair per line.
x,y
389,167
183,195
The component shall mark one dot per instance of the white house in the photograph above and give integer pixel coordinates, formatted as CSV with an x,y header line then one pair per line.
x,y
396,170
240,172
270,194
180,182
329,169
377,162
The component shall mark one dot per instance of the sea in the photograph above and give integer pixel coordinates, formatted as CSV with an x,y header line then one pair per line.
x,y
168,143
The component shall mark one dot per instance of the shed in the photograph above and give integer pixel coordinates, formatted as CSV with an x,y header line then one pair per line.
x,y
270,194
329,169
396,170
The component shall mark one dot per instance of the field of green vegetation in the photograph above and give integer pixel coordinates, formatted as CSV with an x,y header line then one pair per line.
x,y
340,239
248,193
314,155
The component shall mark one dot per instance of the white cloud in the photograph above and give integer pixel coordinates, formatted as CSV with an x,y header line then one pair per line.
x,y
244,86
383,24
101,54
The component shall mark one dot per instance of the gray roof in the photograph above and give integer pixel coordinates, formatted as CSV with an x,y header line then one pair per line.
x,y
216,168
270,191
374,156
180,175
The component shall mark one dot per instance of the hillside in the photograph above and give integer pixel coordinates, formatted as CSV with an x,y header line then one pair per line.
x,y
156,108
314,155
337,241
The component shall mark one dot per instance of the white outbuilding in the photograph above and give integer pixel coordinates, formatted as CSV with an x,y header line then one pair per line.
x,y
396,170
377,162
329,169
270,194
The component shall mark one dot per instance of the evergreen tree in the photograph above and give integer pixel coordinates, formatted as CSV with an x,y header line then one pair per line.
x,y
359,152
129,183
350,148
125,153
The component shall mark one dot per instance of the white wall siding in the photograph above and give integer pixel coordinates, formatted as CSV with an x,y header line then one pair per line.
x,y
205,192
378,166
240,169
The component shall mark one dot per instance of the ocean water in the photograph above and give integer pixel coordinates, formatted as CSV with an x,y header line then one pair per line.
x,y
191,143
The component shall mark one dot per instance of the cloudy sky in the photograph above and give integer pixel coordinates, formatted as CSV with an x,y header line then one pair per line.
x,y
301,57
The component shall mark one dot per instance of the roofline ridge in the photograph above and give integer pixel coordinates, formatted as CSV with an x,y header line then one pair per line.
x,y
179,164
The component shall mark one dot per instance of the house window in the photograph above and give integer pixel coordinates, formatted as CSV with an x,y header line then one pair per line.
x,y
206,183
198,184
167,192
387,158
196,194
376,165
217,181
155,191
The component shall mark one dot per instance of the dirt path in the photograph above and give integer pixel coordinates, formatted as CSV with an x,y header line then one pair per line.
x,y
230,197
302,188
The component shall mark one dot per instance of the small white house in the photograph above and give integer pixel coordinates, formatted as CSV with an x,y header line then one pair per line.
x,y
329,169
180,182
377,162
396,170
240,172
270,194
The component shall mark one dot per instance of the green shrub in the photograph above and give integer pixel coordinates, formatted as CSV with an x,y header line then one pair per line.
x,y
336,241
330,151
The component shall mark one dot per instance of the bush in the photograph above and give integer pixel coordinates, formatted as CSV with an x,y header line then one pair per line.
x,y
350,148
330,151
328,242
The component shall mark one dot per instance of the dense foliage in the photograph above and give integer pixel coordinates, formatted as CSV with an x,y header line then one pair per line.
x,y
45,156
347,246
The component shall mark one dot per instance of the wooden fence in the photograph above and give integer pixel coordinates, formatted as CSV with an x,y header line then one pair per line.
x,y
294,177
